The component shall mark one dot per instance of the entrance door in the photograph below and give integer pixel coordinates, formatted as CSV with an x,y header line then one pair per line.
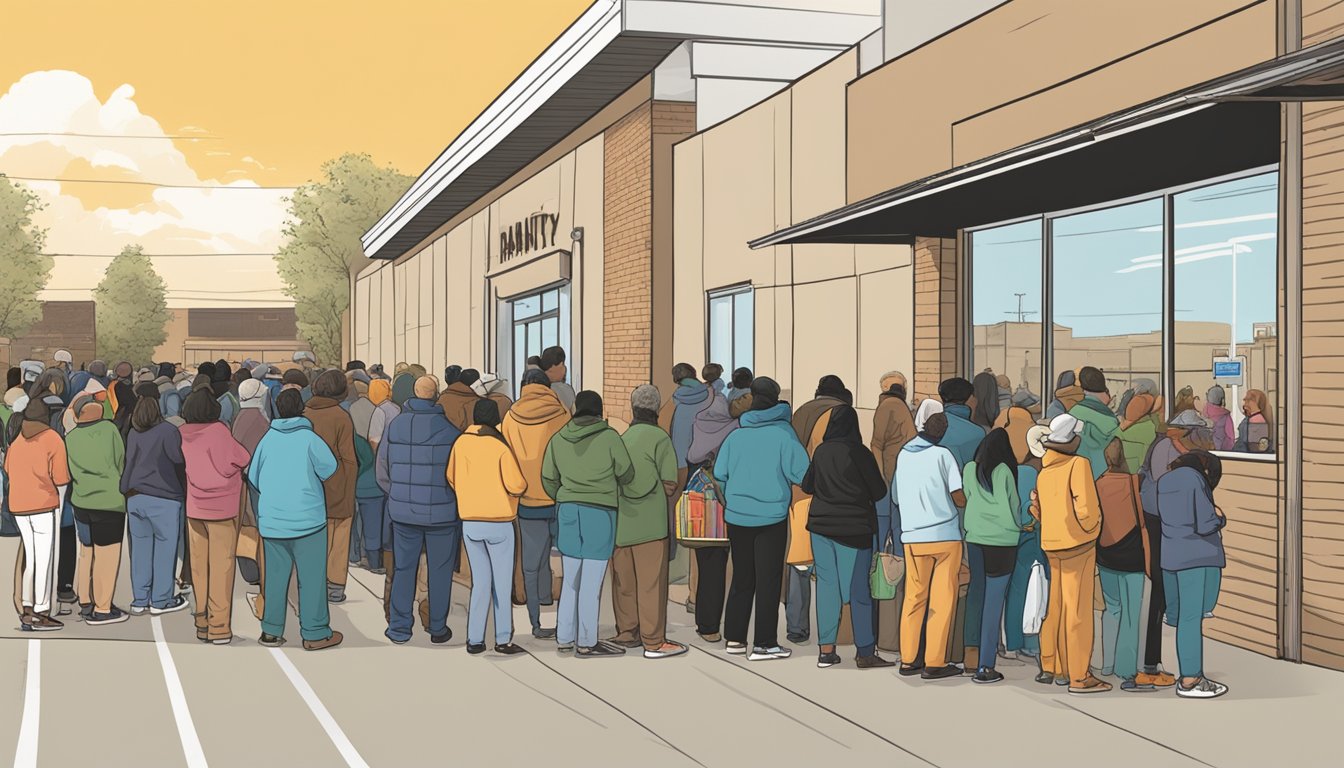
x,y
536,326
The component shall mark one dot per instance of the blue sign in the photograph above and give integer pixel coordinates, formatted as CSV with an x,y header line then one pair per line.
x,y
1227,369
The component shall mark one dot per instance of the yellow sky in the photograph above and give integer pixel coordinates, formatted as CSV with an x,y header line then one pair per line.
x,y
283,84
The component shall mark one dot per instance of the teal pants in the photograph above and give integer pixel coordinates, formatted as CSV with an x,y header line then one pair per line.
x,y
1123,594
1196,589
842,577
306,556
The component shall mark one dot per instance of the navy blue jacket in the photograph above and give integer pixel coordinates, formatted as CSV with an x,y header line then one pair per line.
x,y
413,464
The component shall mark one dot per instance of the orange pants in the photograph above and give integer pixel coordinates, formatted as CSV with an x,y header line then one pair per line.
x,y
931,586
1066,633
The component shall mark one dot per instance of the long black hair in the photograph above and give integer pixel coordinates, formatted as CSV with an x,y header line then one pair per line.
x,y
986,410
995,450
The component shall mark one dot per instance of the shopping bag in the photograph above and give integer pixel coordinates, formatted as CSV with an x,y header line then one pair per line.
x,y
699,515
885,575
248,552
1038,598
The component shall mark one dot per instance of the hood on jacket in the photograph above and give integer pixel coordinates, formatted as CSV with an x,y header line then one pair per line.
x,y
691,392
292,424
779,412
320,403
711,427
403,388
379,391
538,405
583,428
843,426
32,428
252,394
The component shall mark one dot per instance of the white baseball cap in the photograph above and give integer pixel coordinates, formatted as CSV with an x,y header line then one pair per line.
x,y
63,356
1063,427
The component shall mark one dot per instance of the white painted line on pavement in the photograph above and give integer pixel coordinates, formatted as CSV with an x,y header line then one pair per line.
x,y
25,755
329,724
186,730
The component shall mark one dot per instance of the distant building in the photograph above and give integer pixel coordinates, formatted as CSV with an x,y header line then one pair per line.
x,y
265,334
64,325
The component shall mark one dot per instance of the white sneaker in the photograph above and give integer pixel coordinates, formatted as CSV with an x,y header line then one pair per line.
x,y
139,610
769,654
737,649
668,650
1204,688
179,602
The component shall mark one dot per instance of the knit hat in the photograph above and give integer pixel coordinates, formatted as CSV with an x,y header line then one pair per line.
x,y
1215,395
1063,428
379,391
252,390
646,396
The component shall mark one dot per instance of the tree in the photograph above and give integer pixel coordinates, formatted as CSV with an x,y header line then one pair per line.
x,y
322,248
131,308
24,269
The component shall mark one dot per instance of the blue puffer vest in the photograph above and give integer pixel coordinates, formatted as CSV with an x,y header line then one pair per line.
x,y
418,443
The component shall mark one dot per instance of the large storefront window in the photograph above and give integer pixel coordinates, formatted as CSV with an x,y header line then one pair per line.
x,y
537,324
732,328
1191,312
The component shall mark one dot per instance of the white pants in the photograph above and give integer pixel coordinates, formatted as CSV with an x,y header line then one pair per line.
x,y
38,532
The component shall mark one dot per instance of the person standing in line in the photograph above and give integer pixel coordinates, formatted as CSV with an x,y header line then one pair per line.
x,y
993,527
893,427
249,427
39,476
1100,426
757,467
423,510
1017,422
986,410
215,465
1164,451
50,389
1192,560
332,424
154,484
486,477
584,469
1067,395
289,469
639,563
552,363
1121,561
528,428
845,484
97,457
712,375
1069,512
1139,429
1255,434
739,395
384,411
963,440
709,571
677,416
363,407
458,399
370,500
928,491
1224,433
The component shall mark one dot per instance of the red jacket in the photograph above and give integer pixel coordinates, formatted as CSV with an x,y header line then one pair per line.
x,y
214,465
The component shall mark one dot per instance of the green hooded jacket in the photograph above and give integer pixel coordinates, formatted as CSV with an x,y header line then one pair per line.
x,y
96,457
586,463
1100,427
642,512
1137,438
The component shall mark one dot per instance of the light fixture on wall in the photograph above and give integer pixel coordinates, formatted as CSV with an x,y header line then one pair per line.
x,y
576,234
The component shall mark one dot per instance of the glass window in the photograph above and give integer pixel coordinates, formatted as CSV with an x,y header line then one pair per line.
x,y
537,324
527,306
550,300
1006,306
1226,336
744,332
732,329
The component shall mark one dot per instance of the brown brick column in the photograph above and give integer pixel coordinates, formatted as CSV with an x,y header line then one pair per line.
x,y
626,291
935,314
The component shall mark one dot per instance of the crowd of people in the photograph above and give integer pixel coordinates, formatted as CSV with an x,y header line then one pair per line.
x,y
983,496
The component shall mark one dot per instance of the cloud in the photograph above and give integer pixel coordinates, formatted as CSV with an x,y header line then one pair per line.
x,y
229,215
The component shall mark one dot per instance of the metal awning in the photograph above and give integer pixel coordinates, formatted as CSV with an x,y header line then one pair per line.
x,y
1223,126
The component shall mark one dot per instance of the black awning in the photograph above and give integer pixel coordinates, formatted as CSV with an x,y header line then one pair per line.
x,y
1220,127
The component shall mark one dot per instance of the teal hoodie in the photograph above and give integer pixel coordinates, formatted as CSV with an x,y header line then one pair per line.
x,y
288,469
757,465
1100,427
366,482
586,463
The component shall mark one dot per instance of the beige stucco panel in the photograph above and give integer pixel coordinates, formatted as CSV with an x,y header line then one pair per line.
x,y
740,196
456,290
825,334
886,330
688,286
586,326
818,138
822,262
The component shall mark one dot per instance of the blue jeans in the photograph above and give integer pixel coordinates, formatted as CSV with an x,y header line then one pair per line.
x,y
153,524
1197,590
1028,552
888,524
356,534
580,601
1213,585
370,524
306,555
490,556
1123,593
538,534
842,577
440,545
975,599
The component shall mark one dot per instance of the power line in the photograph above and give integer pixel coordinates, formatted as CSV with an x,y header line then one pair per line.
x,y
106,135
161,255
189,290
160,185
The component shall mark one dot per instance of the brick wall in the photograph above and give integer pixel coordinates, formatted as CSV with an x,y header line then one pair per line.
x,y
672,122
64,325
935,314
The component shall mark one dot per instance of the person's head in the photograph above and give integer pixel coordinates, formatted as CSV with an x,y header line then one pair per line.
x,y
145,389
1065,380
1203,462
241,375
552,361
534,362
843,426
355,365
957,391
252,393
711,372
87,409
330,384
1092,380
146,415
935,426
294,377
200,407
426,388
1215,396
200,382
995,450
1004,382
645,401
469,376
1185,399
379,391
1064,431
986,389
13,377
926,408
1255,402
63,358
451,374
289,404
830,385
1115,457
98,369
51,382
682,372
485,413
587,403
764,393
36,410
742,378
222,371
892,379
536,376
166,370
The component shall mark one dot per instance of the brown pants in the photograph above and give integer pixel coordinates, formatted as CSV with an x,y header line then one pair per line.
x,y
931,572
639,593
98,579
338,549
84,575
214,547
1066,633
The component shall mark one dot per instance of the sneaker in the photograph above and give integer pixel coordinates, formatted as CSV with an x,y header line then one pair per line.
x,y
333,640
1158,679
736,649
475,648
397,640
176,604
1027,653
40,622
599,650
987,675
1045,678
335,594
62,609
509,649
709,637
797,638
252,598
1204,688
1208,614
1090,685
1129,685
113,616
565,647
184,586
772,653
910,670
825,660
543,633
611,647
667,651
873,662
203,634
222,640
442,638
66,596
138,610
85,611
942,673
270,641
378,571
1061,680
623,643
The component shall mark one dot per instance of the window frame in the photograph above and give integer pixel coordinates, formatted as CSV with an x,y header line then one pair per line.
x,y
729,292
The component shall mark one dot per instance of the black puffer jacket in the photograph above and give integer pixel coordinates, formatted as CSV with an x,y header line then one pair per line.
x,y
845,484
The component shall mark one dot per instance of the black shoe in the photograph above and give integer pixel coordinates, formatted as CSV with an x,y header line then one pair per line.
x,y
828,660
796,638
509,649
66,596
1045,678
544,633
270,641
601,649
873,662
475,648
943,672
443,638
986,675
910,670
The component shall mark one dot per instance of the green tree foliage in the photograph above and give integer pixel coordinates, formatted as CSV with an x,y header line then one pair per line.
x,y
23,267
327,218
131,308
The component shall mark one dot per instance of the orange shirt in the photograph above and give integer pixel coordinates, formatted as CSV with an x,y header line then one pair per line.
x,y
35,467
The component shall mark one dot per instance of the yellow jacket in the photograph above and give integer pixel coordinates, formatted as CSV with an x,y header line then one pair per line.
x,y
1067,500
486,476
528,427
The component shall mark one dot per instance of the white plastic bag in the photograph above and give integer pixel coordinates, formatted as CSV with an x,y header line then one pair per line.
x,y
1038,598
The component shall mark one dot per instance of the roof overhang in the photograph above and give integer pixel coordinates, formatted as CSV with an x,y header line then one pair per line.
x,y
1223,126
